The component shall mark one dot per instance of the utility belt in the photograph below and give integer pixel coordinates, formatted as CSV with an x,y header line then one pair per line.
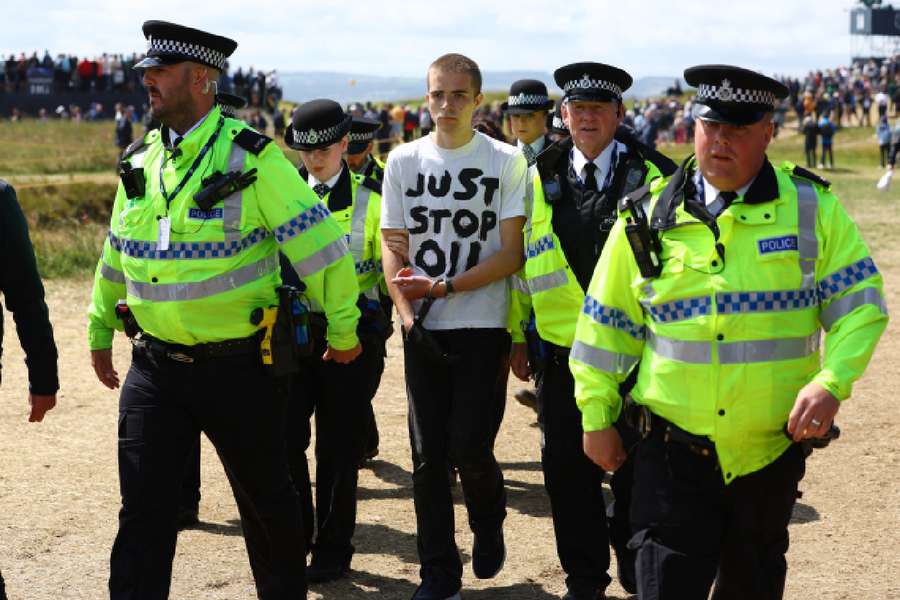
x,y
558,355
646,423
200,352
374,323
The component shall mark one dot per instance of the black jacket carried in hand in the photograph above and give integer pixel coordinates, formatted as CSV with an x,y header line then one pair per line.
x,y
24,296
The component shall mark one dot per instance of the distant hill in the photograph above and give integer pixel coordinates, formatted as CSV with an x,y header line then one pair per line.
x,y
300,86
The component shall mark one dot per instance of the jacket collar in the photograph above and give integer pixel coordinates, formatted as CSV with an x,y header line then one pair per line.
x,y
191,143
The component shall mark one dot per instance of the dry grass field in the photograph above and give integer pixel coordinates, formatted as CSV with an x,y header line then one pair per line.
x,y
59,485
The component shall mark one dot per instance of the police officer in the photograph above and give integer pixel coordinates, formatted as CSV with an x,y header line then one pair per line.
x,y
189,505
576,186
339,394
749,262
527,107
192,267
556,127
24,297
359,151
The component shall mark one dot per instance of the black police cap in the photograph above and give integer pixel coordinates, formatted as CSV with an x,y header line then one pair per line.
x,y
317,124
527,96
592,81
556,124
362,132
734,95
170,43
230,103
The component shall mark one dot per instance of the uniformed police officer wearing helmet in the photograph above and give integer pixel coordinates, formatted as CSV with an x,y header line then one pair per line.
x,y
340,395
577,183
359,150
192,268
527,107
752,262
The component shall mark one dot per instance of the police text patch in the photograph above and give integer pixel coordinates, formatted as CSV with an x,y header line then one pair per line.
x,y
196,213
777,244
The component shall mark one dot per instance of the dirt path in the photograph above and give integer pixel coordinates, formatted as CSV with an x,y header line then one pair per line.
x,y
59,493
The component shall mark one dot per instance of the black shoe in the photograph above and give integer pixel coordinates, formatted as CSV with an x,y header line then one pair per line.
x,y
428,591
527,398
188,518
319,572
367,456
584,595
488,554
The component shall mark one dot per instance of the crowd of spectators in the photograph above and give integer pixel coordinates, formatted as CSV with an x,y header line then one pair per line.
x,y
107,72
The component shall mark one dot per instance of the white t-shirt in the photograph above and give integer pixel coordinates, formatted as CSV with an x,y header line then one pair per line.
x,y
451,202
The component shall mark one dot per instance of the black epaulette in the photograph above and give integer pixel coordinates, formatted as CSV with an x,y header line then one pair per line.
x,y
807,174
638,196
133,148
252,141
372,184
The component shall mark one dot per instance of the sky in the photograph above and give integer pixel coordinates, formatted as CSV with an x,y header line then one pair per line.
x,y
388,37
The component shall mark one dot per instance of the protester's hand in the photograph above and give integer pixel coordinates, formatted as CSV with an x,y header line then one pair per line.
x,y
604,447
412,286
101,360
40,404
342,356
398,242
518,361
813,412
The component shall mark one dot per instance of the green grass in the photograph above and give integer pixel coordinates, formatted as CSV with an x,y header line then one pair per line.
x,y
70,250
54,147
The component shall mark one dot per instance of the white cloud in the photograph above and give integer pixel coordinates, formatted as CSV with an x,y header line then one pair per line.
x,y
653,37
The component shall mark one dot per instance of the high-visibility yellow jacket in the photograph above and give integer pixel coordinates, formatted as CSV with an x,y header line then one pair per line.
x,y
725,348
546,283
223,263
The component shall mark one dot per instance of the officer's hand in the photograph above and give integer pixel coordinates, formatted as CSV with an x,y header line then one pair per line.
x,y
342,356
101,360
814,403
518,361
412,286
398,242
39,406
605,448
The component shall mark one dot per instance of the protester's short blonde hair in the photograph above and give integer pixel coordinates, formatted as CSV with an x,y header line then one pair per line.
x,y
457,63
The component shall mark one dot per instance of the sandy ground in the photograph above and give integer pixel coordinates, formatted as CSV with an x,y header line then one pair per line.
x,y
59,492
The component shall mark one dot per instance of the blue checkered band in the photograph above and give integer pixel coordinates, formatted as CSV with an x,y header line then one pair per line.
x,y
612,317
540,246
726,93
186,250
846,278
311,137
156,46
366,266
588,84
524,98
680,310
301,223
744,302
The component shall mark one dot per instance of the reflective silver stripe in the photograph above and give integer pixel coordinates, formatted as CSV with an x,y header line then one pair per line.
x,y
611,362
233,204
542,283
690,352
111,274
519,285
321,259
768,350
808,245
169,292
844,306
358,223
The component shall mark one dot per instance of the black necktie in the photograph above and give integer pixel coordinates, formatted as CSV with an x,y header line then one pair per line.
x,y
722,201
590,179
321,189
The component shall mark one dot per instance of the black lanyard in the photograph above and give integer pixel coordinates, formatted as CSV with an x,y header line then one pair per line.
x,y
190,172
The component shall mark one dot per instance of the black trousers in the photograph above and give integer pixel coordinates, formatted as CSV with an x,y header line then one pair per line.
x,y
692,529
190,483
574,484
2,588
455,412
339,395
163,406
